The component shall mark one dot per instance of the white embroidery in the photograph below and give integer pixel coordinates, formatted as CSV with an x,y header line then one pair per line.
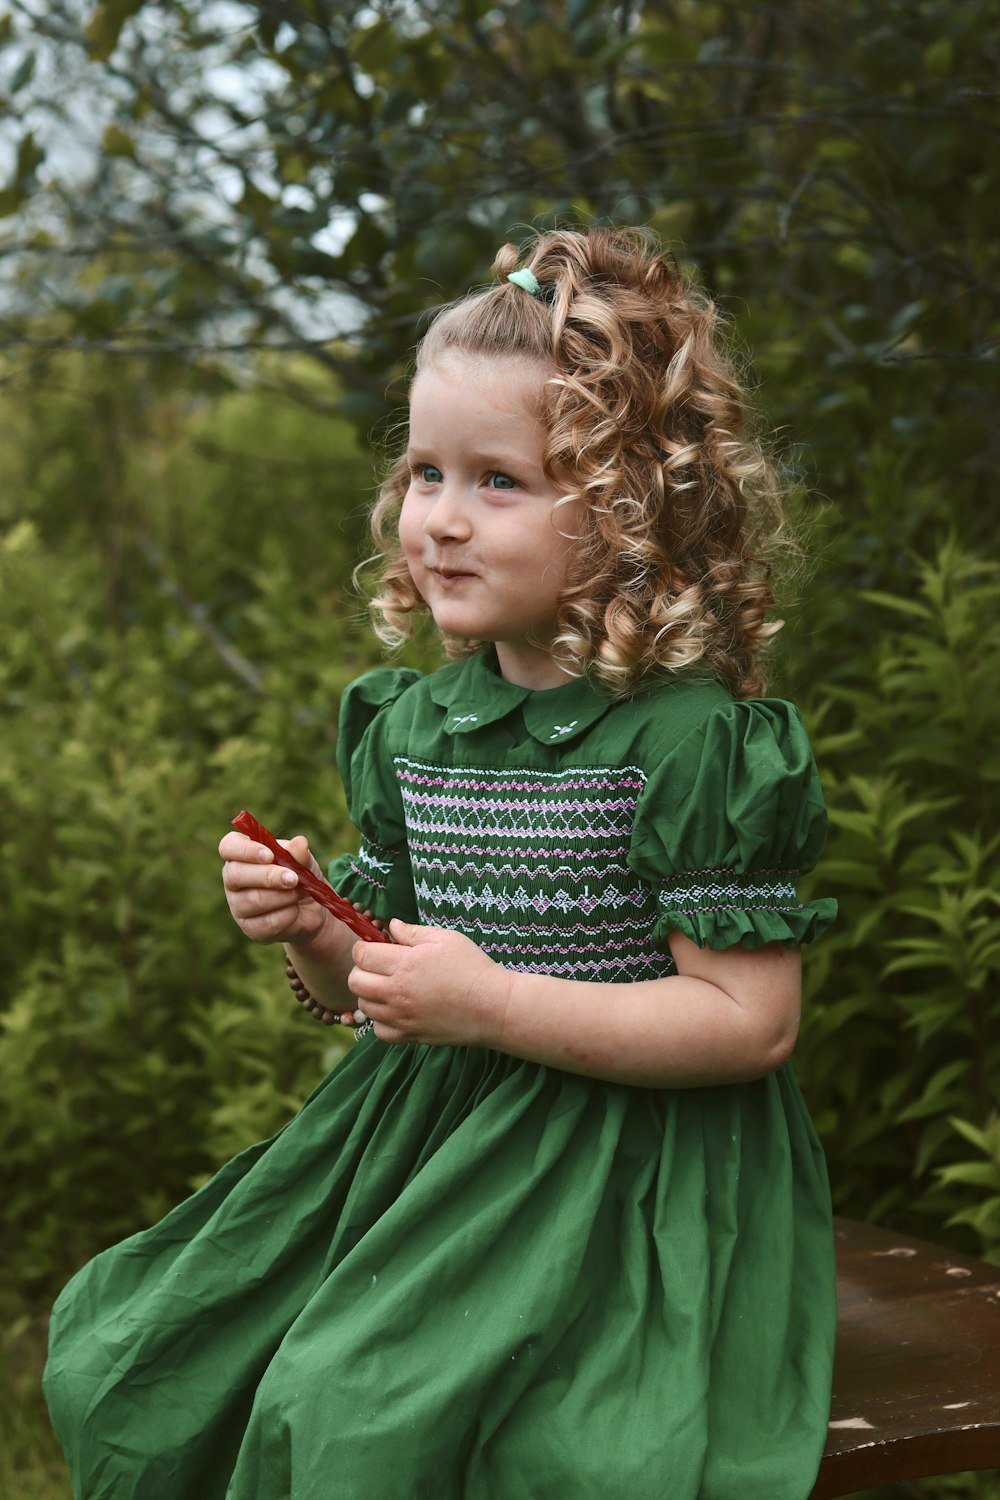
x,y
516,898
365,856
458,719
563,729
747,892
532,865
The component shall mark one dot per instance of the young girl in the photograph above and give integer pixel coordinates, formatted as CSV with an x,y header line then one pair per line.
x,y
558,1226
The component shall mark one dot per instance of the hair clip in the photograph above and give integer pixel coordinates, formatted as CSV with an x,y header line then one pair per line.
x,y
527,281
542,291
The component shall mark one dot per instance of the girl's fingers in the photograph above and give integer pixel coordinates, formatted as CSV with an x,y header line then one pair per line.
x,y
275,909
237,846
369,916
265,898
298,848
238,876
269,926
370,988
375,958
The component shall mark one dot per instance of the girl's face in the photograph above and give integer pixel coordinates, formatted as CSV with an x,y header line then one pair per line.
x,y
479,527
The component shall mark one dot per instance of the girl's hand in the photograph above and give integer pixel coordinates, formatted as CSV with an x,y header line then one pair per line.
x,y
430,985
263,898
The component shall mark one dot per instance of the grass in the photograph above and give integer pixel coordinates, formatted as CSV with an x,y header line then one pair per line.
x,y
31,1465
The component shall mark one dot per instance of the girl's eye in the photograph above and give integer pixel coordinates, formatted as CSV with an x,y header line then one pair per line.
x,y
498,481
429,474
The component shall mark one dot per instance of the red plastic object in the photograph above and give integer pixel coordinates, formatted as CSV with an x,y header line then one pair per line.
x,y
319,890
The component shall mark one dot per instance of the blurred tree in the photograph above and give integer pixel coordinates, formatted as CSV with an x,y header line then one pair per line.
x,y
201,196
226,175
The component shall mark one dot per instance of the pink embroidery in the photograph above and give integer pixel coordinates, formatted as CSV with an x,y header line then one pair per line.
x,y
507,851
516,786
366,876
495,853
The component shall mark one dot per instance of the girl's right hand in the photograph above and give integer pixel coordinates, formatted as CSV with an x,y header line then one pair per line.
x,y
264,899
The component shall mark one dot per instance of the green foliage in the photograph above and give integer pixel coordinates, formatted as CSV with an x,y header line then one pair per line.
x,y
901,1046
180,513
31,1465
175,648
141,1041
829,168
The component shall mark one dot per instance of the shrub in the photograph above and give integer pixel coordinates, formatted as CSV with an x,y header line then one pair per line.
x,y
142,1040
900,1051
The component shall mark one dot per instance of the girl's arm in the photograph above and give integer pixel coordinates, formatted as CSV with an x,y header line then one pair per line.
x,y
725,1017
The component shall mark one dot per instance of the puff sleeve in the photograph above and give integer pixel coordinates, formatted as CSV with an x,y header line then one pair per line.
x,y
725,825
378,875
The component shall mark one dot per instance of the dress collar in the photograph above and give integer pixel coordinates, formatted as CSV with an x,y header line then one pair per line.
x,y
475,695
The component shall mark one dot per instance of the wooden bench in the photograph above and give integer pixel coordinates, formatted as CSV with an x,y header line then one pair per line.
x,y
916,1382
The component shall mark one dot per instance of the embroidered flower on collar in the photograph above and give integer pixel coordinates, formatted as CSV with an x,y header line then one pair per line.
x,y
474,696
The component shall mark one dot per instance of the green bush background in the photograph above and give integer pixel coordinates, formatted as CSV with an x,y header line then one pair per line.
x,y
176,536
149,692
176,642
175,646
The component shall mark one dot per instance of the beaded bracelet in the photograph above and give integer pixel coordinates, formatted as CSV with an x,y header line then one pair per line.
x,y
313,1006
307,1001
318,1011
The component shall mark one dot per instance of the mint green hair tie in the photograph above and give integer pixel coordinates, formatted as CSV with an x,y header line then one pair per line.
x,y
527,281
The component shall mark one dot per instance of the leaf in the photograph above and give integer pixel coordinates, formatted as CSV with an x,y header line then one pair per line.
x,y
29,158
898,604
376,47
937,1093
987,1140
24,72
974,1174
117,142
105,26
939,56
932,1138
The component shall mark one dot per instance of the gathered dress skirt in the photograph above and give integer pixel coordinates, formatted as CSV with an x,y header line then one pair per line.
x,y
456,1275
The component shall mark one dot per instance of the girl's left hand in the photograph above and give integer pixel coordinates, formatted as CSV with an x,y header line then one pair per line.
x,y
430,985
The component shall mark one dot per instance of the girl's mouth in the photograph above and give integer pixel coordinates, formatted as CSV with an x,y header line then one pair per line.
x,y
451,575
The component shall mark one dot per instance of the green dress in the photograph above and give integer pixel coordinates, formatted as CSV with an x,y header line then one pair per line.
x,y
456,1275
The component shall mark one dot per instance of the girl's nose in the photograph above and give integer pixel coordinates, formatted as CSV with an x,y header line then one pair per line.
x,y
448,520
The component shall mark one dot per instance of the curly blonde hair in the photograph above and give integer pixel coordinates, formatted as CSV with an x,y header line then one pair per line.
x,y
648,427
